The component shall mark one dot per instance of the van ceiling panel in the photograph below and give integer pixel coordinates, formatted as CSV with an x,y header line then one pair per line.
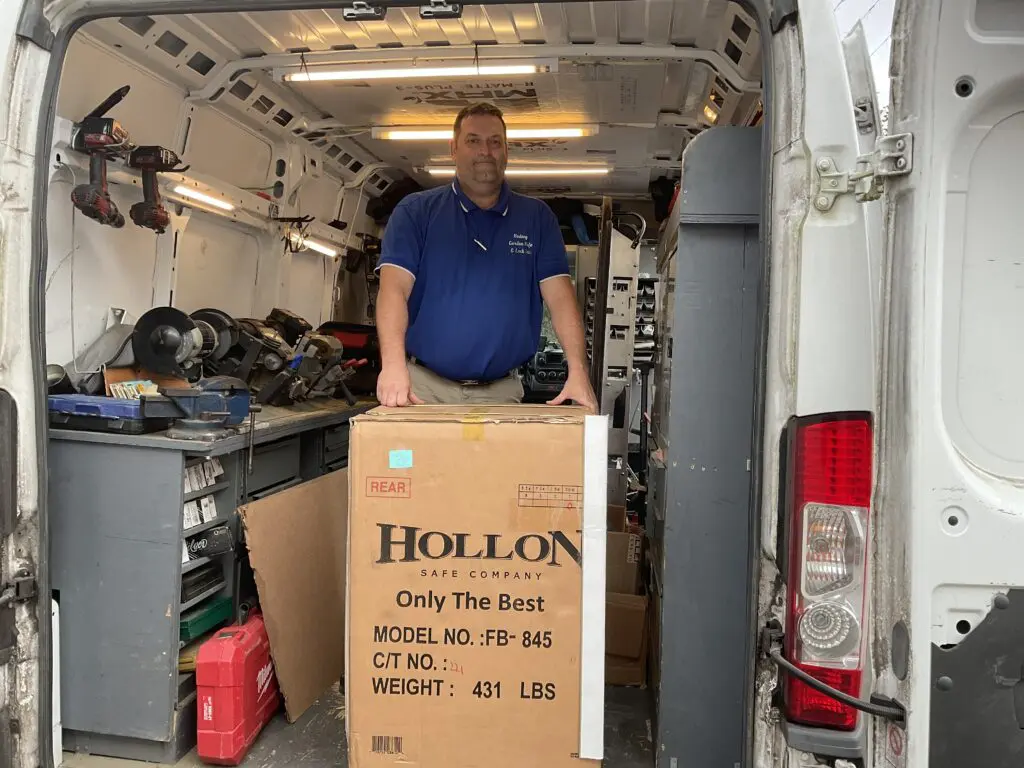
x,y
702,68
681,22
628,93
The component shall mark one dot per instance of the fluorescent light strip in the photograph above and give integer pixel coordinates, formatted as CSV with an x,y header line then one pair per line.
x,y
309,76
579,171
298,241
203,198
400,134
315,245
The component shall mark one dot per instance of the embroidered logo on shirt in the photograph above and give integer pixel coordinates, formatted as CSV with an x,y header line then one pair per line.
x,y
520,245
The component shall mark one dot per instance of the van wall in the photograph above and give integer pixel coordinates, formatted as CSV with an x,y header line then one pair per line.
x,y
203,259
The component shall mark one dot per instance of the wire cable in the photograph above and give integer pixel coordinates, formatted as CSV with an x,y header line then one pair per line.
x,y
885,711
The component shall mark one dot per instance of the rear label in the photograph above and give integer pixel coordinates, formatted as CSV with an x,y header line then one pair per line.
x,y
389,487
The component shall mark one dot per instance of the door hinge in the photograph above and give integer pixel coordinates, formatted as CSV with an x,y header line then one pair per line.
x,y
21,588
893,156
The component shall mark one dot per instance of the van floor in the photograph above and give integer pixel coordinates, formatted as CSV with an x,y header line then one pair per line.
x,y
317,739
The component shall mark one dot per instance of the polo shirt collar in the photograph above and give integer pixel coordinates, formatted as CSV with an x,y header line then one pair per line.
x,y
468,205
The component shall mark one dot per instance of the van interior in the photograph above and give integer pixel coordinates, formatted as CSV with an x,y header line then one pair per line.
x,y
219,185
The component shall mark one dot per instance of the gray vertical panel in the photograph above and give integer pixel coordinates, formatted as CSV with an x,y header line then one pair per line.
x,y
706,496
116,555
706,531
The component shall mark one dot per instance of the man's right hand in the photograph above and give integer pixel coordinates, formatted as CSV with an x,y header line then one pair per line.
x,y
394,389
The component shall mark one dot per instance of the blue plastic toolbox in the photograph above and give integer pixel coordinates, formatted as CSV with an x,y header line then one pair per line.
x,y
96,413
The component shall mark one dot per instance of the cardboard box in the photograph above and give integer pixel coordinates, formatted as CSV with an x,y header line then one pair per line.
x,y
297,543
617,518
476,589
626,639
623,562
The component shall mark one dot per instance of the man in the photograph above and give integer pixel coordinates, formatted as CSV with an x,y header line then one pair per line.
x,y
465,270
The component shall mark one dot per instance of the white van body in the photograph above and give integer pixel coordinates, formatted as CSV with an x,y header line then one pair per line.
x,y
895,261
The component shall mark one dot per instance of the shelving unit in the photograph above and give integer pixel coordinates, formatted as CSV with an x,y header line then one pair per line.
x,y
118,528
646,315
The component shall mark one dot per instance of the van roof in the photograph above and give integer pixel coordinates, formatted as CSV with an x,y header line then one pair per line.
x,y
638,79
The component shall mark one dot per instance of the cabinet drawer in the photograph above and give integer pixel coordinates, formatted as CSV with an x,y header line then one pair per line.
x,y
336,436
273,464
336,447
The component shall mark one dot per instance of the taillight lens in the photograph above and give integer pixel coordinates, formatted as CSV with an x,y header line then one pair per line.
x,y
829,504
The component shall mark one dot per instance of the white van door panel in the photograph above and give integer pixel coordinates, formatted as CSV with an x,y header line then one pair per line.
x,y
949,573
869,127
822,350
834,350
24,617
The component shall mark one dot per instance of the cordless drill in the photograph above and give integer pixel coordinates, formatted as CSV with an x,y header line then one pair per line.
x,y
151,160
101,138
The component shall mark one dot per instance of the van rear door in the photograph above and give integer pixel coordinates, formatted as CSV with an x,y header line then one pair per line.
x,y
949,574
24,617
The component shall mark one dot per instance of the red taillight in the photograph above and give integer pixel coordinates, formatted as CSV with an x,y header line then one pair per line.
x,y
830,497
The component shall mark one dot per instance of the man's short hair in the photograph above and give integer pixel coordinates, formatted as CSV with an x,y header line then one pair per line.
x,y
478,108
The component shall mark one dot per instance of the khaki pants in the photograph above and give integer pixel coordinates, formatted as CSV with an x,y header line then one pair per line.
x,y
437,390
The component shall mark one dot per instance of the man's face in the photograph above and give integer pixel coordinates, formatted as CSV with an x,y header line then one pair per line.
x,y
480,152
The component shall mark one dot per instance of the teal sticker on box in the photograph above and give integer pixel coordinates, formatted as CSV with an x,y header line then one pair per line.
x,y
400,459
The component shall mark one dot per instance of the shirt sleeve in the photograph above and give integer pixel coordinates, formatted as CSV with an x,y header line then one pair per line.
x,y
551,258
403,241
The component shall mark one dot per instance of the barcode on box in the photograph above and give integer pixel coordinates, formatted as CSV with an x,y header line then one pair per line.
x,y
386,745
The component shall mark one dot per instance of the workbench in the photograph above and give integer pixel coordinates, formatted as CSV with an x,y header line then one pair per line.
x,y
116,551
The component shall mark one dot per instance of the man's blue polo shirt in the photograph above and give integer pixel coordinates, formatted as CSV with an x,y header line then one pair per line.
x,y
475,309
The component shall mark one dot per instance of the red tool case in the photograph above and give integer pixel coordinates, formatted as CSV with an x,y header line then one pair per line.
x,y
237,690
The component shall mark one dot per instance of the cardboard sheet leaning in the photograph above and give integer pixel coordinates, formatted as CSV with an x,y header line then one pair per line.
x,y
476,587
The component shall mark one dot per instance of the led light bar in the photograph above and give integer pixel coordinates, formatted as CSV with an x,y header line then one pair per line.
x,y
316,245
335,73
195,194
553,171
443,134
298,241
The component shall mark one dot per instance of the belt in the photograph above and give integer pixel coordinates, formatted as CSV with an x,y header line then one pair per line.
x,y
463,382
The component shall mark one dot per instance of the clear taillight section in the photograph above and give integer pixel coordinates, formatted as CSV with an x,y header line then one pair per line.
x,y
829,504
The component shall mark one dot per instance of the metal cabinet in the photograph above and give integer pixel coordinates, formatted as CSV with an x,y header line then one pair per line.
x,y
117,530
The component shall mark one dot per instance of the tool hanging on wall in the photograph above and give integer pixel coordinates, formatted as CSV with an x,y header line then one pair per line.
x,y
151,160
101,138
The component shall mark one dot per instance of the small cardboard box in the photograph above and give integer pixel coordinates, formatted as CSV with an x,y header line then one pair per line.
x,y
624,556
476,589
617,518
626,639
627,614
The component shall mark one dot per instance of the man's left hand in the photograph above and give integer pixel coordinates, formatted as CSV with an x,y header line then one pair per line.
x,y
577,388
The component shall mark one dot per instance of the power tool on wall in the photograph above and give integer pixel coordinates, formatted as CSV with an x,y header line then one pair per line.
x,y
101,138
151,160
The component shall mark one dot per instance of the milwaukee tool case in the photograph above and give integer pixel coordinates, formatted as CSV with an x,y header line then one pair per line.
x,y
476,587
237,691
